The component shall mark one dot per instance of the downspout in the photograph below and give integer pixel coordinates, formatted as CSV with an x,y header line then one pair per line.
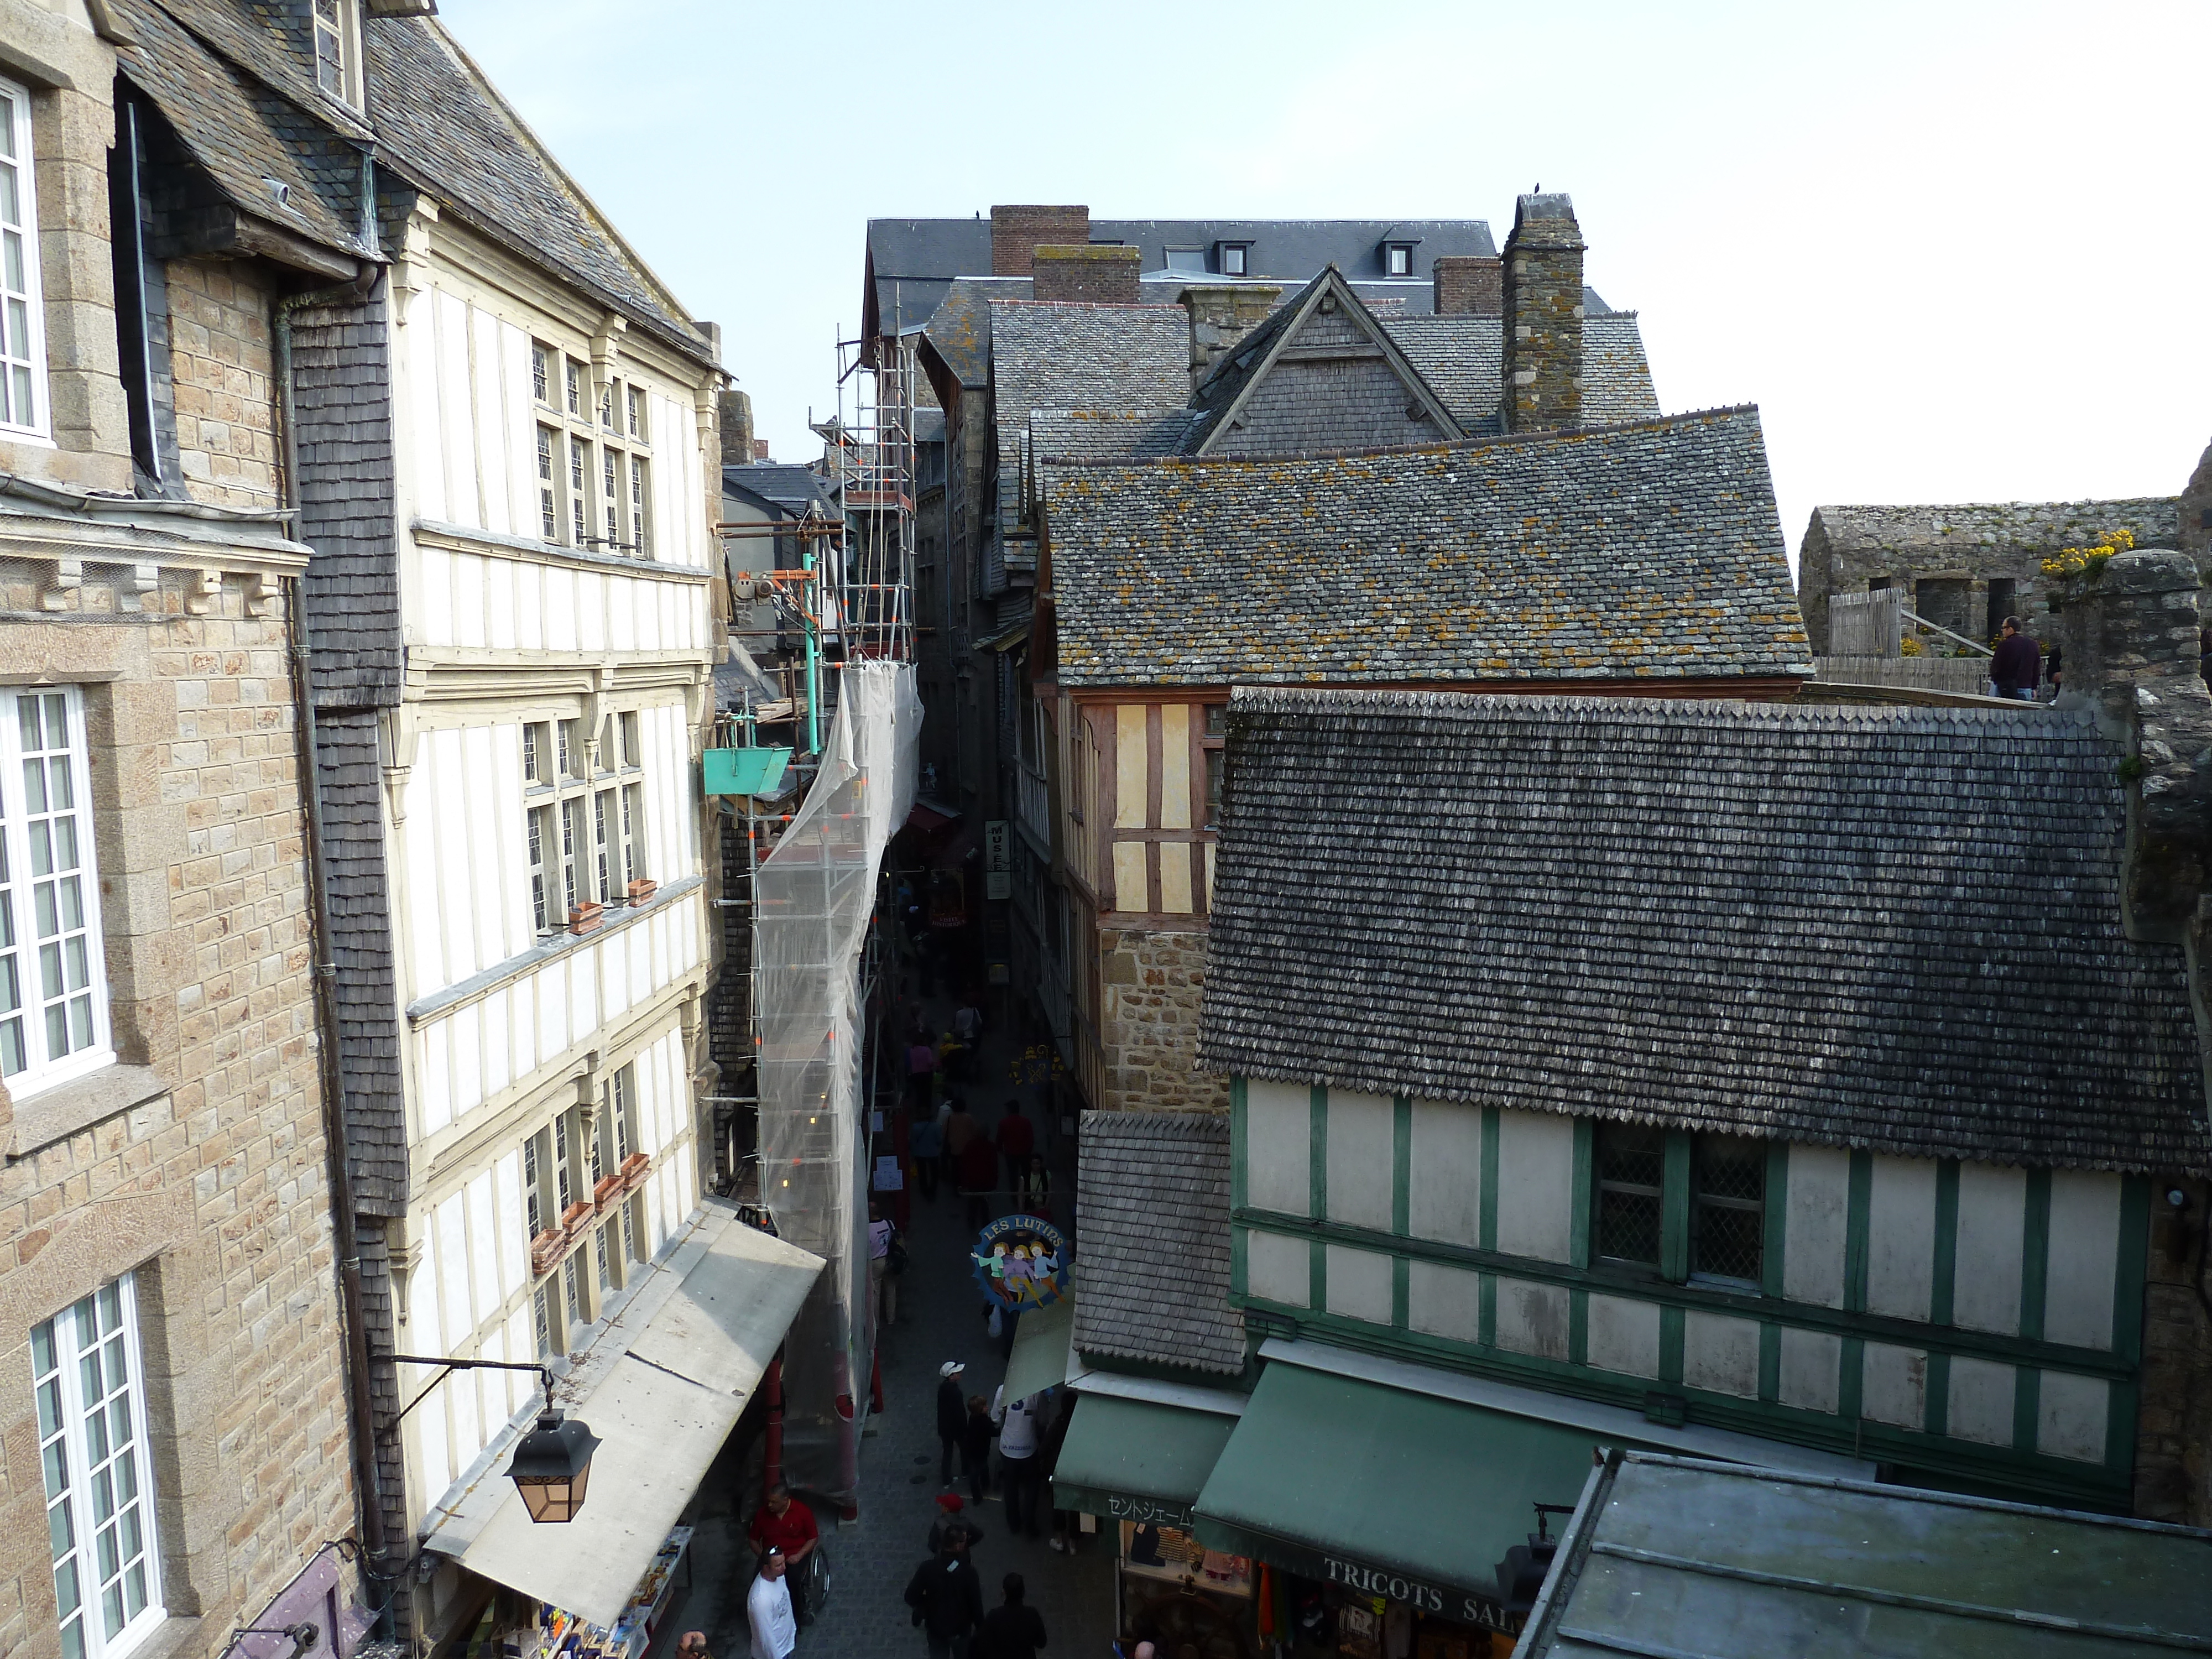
x,y
367,1488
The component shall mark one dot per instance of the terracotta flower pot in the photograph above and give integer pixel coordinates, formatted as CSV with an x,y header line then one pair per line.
x,y
642,889
586,916
609,1189
547,1249
575,1218
634,1168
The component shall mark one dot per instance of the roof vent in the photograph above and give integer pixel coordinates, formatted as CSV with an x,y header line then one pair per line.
x,y
279,191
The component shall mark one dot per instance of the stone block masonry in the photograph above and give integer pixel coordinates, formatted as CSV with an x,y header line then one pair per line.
x,y
1543,309
222,357
198,1162
1150,984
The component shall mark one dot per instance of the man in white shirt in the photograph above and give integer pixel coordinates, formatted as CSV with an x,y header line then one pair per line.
x,y
767,1610
1018,1432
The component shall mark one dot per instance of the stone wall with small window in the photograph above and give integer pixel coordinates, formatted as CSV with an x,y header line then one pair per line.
x,y
166,1257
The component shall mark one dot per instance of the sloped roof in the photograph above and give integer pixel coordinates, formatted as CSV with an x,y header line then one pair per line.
x,y
960,330
800,489
1151,1275
1463,357
1050,354
242,132
1635,552
1106,433
1890,928
445,127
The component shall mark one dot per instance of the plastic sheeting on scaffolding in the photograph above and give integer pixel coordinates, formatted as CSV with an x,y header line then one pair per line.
x,y
814,897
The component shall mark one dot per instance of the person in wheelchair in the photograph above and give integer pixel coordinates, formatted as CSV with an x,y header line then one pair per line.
x,y
785,1523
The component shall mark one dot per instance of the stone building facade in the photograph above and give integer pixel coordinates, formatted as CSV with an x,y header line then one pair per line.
x,y
175,1400
1150,982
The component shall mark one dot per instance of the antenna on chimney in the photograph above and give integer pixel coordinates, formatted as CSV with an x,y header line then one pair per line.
x,y
1537,189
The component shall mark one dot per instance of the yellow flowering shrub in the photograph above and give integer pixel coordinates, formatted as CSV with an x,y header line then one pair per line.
x,y
2078,561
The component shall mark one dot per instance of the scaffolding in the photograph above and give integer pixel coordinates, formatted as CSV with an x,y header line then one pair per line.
x,y
803,898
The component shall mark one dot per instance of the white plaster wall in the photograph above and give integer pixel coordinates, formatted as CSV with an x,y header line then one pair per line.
x,y
1900,1237
1279,1148
1444,1300
1993,1217
1361,1131
510,601
1980,1404
1536,1185
1812,1367
1893,1385
1624,1334
468,897
1720,1353
1444,1184
1532,1318
2079,1283
1358,1284
1815,1226
1278,1268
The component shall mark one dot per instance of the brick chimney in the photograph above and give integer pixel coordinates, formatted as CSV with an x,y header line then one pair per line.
x,y
1543,305
1469,285
2131,641
1221,314
1018,232
1100,276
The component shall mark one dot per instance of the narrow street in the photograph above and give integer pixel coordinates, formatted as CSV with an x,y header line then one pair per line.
x,y
939,1318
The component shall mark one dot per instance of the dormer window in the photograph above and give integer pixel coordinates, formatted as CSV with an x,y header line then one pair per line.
x,y
1235,257
1187,259
1397,258
338,49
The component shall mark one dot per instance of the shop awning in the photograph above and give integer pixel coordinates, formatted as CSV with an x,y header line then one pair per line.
x,y
1391,1493
1039,1360
1130,1460
661,1410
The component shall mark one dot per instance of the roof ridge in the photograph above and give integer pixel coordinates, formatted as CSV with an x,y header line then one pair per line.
x,y
1457,446
1087,305
1489,706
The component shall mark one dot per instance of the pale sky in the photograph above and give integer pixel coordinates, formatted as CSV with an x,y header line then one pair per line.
x,y
1954,252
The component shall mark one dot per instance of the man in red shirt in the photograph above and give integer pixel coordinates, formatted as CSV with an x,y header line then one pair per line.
x,y
783,1522
1017,1141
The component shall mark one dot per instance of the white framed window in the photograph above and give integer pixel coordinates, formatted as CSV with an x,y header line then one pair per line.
x,y
541,372
1186,259
548,485
636,412
583,825
610,493
574,384
1234,258
1398,258
91,1389
607,396
22,317
53,984
580,472
640,527
338,71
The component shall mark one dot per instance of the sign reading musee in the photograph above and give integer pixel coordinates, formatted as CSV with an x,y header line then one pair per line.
x,y
997,860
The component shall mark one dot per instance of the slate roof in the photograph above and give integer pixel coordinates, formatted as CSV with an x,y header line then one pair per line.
x,y
445,127
1047,354
1151,1272
797,490
242,133
960,330
1891,928
914,260
1108,434
1463,358
1635,552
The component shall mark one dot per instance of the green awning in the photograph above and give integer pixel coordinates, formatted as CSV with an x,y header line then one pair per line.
x,y
1391,1493
1039,1360
1130,1460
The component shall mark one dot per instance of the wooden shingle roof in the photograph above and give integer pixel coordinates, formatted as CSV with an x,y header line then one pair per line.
x,y
1891,928
1151,1276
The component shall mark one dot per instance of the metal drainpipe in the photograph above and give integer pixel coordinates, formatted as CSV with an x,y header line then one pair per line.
x,y
368,1488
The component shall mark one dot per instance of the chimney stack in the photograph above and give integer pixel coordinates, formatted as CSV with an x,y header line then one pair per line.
x,y
1096,276
1469,285
1543,303
1018,232
737,428
1221,314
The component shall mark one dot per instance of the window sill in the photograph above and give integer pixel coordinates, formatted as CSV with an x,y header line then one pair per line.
x,y
615,920
72,1108
172,1636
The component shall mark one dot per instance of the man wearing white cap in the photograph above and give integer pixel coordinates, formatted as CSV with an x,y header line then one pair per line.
x,y
952,1416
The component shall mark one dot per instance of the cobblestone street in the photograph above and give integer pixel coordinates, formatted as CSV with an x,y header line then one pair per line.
x,y
872,1558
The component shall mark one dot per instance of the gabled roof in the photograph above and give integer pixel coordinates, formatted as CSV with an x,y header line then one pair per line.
x,y
242,132
1648,552
1239,374
798,490
1152,1278
1896,929
444,125
959,330
1463,357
